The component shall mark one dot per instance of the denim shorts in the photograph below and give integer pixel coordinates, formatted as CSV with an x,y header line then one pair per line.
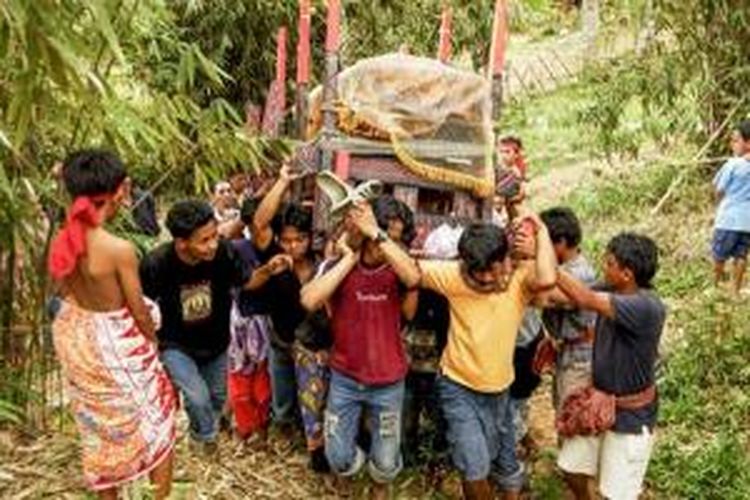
x,y
481,434
728,244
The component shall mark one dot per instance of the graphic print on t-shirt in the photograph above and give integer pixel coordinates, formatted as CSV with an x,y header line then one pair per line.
x,y
196,301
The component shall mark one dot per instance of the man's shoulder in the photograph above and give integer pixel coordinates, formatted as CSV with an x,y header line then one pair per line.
x,y
653,301
644,303
110,244
441,267
581,269
733,165
159,254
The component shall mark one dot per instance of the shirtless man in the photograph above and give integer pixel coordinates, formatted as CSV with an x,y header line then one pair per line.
x,y
104,336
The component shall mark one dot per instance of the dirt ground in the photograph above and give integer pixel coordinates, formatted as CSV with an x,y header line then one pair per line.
x,y
48,466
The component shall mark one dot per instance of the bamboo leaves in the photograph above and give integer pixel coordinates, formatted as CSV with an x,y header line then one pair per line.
x,y
102,11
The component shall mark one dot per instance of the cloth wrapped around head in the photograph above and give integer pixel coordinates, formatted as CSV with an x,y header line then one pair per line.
x,y
91,177
70,242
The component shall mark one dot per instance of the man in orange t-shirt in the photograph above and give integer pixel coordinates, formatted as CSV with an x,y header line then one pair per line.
x,y
487,299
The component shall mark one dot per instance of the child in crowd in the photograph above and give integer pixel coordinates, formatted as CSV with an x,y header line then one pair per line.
x,y
571,329
224,203
364,292
426,337
526,380
299,340
511,176
249,383
629,323
510,149
425,340
731,238
104,336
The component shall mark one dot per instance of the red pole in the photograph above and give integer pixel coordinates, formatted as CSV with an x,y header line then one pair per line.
x,y
303,45
303,66
499,38
446,27
281,55
333,26
341,164
273,114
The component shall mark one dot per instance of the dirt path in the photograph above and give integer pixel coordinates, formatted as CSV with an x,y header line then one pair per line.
x,y
541,67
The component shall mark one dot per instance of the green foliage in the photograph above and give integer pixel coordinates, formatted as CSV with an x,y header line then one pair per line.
x,y
221,28
116,73
717,470
623,195
10,413
550,126
684,83
701,453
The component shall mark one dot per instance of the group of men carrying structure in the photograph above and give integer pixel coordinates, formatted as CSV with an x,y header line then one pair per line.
x,y
326,334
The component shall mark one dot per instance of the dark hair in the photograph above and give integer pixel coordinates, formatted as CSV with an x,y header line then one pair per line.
x,y
188,215
744,129
513,141
386,208
563,225
92,172
295,216
481,245
637,253
248,209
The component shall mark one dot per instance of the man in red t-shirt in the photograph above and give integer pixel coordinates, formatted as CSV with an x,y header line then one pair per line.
x,y
364,293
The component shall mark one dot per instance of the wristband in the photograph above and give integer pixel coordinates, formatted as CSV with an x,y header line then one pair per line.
x,y
380,237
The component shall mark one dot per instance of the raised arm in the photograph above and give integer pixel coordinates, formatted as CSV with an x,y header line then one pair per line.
x,y
554,298
127,274
584,297
269,206
317,292
403,265
545,262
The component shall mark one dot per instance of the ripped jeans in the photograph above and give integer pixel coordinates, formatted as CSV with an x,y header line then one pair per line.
x,y
347,399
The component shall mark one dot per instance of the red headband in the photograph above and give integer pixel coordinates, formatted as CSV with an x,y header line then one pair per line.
x,y
70,242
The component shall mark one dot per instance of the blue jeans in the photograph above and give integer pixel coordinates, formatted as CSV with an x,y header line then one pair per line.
x,y
347,398
481,434
283,385
204,389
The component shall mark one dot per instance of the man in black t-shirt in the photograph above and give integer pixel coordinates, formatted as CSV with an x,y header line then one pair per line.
x,y
627,332
191,278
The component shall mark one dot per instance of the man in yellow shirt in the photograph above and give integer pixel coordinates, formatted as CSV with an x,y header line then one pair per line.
x,y
487,298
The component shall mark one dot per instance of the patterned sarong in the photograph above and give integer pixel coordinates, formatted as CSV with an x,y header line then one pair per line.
x,y
313,376
122,400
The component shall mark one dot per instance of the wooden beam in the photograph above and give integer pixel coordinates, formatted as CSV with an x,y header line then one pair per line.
x,y
500,34
303,66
